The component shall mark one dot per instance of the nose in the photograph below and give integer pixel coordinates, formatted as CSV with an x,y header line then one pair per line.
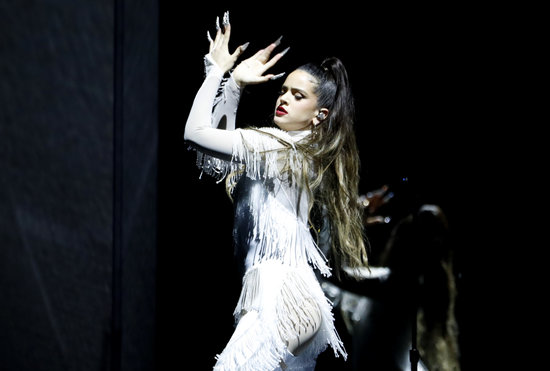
x,y
283,99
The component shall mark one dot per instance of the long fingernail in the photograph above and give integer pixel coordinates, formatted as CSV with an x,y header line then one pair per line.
x,y
278,41
284,51
217,23
275,77
226,18
244,46
208,36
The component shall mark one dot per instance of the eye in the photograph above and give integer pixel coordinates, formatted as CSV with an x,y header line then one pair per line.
x,y
298,96
282,91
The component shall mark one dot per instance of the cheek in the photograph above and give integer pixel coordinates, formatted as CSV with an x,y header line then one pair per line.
x,y
305,110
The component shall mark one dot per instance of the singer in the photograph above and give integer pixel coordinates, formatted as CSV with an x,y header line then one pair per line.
x,y
287,182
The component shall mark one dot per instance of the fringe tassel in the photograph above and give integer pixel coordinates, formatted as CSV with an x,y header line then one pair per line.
x,y
213,166
281,236
251,347
264,154
270,292
260,154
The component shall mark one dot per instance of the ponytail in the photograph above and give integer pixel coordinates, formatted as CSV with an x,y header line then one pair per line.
x,y
334,153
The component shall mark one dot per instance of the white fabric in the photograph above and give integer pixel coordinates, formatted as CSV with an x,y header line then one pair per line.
x,y
280,291
200,128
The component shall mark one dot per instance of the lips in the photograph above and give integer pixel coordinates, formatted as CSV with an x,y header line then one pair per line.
x,y
281,111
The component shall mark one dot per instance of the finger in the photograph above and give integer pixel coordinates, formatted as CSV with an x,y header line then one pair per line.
x,y
218,32
226,34
264,78
218,40
276,58
269,49
265,53
257,55
240,50
210,41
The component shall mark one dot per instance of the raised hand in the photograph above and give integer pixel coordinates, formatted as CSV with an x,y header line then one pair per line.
x,y
219,47
251,70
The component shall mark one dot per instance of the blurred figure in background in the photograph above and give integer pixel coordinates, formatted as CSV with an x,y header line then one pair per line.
x,y
401,315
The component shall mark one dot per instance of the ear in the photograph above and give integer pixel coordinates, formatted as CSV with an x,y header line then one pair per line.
x,y
321,116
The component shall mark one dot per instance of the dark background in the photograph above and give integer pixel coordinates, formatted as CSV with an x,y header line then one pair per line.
x,y
78,197
115,255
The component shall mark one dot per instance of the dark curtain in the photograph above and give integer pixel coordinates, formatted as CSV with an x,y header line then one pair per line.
x,y
78,159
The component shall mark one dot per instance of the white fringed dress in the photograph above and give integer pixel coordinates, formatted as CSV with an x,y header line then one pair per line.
x,y
272,238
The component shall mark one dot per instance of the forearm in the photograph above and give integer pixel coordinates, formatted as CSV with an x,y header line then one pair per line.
x,y
199,127
224,114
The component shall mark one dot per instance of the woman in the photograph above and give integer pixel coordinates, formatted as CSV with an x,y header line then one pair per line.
x,y
281,178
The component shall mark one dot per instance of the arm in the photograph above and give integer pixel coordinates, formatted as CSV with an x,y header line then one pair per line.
x,y
226,102
199,127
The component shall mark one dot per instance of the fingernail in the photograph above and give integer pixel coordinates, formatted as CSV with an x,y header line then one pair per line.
x,y
284,51
226,18
244,46
217,23
208,36
275,77
278,41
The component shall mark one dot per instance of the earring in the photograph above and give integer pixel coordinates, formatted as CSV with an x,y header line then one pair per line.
x,y
321,116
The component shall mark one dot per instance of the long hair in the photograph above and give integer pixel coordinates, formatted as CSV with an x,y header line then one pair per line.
x,y
333,152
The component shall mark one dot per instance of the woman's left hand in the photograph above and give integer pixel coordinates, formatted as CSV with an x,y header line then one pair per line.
x,y
219,47
251,70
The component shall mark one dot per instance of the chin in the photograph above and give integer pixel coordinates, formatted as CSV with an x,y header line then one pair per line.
x,y
281,127
278,123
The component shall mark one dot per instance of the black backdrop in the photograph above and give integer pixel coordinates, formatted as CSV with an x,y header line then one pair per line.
x,y
114,254
78,199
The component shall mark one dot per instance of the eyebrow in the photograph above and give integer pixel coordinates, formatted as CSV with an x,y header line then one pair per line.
x,y
296,89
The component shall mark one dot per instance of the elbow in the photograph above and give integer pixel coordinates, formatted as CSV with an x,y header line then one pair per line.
x,y
188,132
193,133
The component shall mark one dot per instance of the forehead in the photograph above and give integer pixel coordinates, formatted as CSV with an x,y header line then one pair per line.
x,y
299,79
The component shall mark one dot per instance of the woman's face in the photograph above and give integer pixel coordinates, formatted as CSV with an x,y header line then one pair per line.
x,y
296,106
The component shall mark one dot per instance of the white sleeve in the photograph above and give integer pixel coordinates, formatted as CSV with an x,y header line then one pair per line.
x,y
212,109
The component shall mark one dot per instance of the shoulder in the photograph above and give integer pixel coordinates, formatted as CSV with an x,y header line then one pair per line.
x,y
265,138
